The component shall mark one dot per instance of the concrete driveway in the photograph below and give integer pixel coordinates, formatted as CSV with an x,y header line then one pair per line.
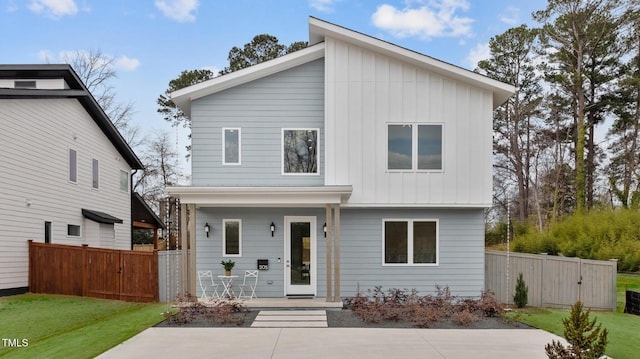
x,y
300,343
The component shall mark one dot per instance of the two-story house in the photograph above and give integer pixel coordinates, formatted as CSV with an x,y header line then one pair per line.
x,y
352,163
65,171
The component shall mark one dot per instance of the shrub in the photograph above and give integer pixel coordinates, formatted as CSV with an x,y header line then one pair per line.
x,y
522,292
586,340
465,317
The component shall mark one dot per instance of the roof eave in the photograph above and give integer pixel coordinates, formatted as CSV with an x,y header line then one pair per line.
x,y
183,97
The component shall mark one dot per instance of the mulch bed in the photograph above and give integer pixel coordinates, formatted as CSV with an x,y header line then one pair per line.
x,y
347,319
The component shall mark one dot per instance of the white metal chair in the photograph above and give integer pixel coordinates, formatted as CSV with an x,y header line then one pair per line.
x,y
205,278
250,282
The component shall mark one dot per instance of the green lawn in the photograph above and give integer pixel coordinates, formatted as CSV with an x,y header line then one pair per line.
x,y
624,337
71,327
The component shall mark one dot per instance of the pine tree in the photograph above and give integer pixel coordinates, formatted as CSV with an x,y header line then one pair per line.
x,y
586,340
522,291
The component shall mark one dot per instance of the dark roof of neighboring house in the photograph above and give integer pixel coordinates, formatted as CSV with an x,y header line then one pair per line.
x,y
76,90
141,212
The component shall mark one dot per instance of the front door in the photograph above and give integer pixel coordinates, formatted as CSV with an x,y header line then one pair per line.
x,y
300,255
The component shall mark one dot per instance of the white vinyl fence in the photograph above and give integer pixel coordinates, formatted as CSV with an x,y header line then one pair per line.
x,y
552,281
169,274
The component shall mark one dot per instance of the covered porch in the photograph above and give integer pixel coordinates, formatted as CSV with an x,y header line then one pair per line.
x,y
265,217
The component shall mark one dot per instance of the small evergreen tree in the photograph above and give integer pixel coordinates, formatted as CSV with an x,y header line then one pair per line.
x,y
522,292
586,340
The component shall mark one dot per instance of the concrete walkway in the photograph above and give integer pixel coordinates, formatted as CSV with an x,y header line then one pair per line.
x,y
303,343
290,319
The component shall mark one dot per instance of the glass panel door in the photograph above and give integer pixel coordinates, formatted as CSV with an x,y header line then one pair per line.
x,y
301,255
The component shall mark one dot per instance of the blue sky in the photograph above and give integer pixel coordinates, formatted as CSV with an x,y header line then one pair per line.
x,y
152,41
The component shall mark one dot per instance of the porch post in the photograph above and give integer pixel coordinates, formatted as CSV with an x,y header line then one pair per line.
x,y
336,254
328,244
184,258
192,249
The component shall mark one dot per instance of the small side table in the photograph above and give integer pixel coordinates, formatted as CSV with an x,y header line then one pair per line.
x,y
227,284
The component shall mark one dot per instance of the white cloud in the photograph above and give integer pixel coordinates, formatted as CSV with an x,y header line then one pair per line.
x,y
480,52
53,8
125,63
323,5
510,15
438,19
179,10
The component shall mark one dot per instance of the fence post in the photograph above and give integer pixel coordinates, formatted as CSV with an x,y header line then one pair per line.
x,y
31,267
85,272
542,276
614,290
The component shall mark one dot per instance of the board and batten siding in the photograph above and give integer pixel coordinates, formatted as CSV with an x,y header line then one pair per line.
x,y
293,98
461,249
35,140
461,252
365,91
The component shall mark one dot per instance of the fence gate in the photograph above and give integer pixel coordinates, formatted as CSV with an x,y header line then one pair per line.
x,y
93,272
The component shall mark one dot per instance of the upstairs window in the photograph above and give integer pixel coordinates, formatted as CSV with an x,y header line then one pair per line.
x,y
300,151
95,174
73,166
231,146
124,181
414,147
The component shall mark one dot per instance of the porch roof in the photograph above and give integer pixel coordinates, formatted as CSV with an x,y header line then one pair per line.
x,y
262,196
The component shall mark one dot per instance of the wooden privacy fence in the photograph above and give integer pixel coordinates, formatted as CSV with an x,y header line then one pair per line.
x,y
553,281
93,272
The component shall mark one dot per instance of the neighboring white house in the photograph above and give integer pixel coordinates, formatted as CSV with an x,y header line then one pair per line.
x,y
352,163
65,170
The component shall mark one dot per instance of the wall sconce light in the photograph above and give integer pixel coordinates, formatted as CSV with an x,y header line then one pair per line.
x,y
324,229
272,228
207,229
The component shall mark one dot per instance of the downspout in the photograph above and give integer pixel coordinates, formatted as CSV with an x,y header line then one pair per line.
x,y
131,204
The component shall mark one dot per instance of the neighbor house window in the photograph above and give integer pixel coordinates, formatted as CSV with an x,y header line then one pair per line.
x,y
73,166
73,230
231,237
300,151
410,242
95,174
24,84
124,181
231,146
414,147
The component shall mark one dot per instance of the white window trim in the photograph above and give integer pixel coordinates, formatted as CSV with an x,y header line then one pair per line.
x,y
282,151
79,231
410,242
92,174
224,238
414,147
128,174
69,165
224,162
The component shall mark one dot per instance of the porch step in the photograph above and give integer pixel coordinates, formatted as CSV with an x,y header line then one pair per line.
x,y
290,319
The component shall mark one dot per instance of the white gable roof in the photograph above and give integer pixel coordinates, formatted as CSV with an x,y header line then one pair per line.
x,y
318,31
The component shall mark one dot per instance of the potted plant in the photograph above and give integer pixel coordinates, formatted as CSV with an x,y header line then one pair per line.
x,y
228,266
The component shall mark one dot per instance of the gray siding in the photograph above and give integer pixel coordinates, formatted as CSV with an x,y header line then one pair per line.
x,y
289,99
461,251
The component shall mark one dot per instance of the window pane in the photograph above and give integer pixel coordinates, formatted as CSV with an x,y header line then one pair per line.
x,y
73,166
395,242
300,151
399,147
424,242
232,237
73,230
231,146
95,169
124,181
429,147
